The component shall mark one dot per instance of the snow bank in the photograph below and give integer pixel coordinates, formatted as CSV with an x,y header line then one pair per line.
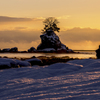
x,y
22,63
34,61
74,80
11,63
88,64
6,63
59,69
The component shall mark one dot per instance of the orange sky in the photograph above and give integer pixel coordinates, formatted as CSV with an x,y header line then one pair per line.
x,y
23,19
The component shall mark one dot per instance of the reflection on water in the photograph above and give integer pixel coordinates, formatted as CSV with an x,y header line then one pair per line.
x,y
82,54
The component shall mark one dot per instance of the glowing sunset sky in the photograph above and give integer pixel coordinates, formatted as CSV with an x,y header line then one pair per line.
x,y
21,22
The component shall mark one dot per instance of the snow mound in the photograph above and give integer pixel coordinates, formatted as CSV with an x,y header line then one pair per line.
x,y
34,61
74,80
12,63
60,68
22,63
6,63
88,64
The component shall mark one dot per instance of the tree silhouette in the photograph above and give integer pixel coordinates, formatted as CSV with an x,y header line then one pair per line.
x,y
50,24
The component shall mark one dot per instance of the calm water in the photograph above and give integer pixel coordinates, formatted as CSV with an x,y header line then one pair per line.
x,y
84,54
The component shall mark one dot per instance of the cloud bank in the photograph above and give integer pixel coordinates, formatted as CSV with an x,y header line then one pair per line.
x,y
15,19
75,38
79,34
18,36
83,39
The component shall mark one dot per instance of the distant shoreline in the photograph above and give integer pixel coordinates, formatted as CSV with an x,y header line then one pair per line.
x,y
47,52
83,50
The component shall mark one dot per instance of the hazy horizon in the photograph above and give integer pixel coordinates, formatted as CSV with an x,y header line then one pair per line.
x,y
21,22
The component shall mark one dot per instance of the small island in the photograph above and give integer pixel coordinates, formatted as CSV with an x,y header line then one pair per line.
x,y
50,42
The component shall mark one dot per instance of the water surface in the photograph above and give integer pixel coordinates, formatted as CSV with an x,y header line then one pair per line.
x,y
82,54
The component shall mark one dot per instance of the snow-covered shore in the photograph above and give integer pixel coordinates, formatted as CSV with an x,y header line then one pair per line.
x,y
74,80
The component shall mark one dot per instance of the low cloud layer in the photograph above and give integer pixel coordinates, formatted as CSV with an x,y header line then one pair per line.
x,y
82,39
78,35
19,36
18,19
75,38
15,19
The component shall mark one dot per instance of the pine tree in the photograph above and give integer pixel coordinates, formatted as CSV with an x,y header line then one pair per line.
x,y
50,24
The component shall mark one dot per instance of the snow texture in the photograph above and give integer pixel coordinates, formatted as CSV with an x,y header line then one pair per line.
x,y
8,63
74,80
22,63
34,61
47,49
50,42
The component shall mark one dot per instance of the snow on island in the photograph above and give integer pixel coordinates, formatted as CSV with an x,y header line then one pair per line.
x,y
14,63
50,43
74,80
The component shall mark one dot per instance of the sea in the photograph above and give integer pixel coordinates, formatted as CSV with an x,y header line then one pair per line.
x,y
81,54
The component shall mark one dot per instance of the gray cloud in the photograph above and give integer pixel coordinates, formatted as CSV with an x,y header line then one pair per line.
x,y
19,36
13,19
73,35
78,35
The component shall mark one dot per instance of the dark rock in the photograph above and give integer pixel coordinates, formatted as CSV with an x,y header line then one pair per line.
x,y
32,49
6,50
70,51
14,49
98,53
50,42
22,63
33,57
7,63
12,63
23,51
34,61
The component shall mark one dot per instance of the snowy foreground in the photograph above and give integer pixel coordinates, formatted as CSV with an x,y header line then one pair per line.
x,y
74,80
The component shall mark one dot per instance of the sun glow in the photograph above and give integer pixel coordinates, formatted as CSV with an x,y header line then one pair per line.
x,y
75,17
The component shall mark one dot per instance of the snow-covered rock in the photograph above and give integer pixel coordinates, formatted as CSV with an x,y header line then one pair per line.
x,y
48,50
12,63
70,51
51,40
6,50
32,49
34,61
7,63
22,63
14,49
